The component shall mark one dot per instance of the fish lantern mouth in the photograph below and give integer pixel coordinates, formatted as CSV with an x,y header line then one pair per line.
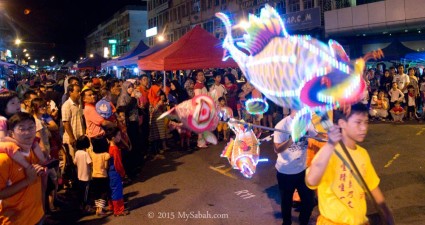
x,y
332,88
204,117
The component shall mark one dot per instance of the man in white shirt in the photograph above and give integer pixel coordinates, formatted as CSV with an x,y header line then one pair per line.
x,y
217,90
402,80
291,167
72,118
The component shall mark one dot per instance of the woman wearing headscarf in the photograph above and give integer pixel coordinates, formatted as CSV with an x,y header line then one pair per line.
x,y
127,101
177,94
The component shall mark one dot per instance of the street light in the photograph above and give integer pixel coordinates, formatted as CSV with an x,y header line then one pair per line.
x,y
25,50
18,41
91,55
27,54
161,38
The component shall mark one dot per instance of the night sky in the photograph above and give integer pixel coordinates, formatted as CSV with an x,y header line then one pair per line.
x,y
58,27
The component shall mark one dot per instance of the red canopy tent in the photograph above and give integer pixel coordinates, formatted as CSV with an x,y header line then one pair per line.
x,y
197,49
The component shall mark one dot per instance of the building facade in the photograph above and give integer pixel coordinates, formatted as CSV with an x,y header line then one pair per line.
x,y
365,25
119,34
174,18
8,49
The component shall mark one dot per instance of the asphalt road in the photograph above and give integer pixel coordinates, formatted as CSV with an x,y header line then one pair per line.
x,y
201,188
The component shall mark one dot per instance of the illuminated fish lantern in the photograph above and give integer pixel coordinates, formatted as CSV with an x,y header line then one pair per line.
x,y
198,114
256,106
294,71
243,152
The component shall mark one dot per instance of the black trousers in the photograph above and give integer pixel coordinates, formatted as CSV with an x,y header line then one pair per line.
x,y
287,185
83,191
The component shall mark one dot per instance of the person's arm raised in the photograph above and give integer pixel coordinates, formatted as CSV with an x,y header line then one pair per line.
x,y
321,159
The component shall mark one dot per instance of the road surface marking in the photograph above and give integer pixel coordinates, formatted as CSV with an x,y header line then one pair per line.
x,y
223,171
244,194
421,131
392,160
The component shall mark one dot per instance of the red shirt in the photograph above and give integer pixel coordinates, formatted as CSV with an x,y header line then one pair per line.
x,y
115,153
200,88
398,109
144,100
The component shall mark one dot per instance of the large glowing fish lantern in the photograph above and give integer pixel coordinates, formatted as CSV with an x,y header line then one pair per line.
x,y
243,152
298,72
198,114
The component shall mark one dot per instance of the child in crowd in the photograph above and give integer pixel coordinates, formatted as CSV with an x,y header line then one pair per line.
x,y
116,172
100,182
373,101
395,95
157,130
225,113
397,112
378,106
105,107
411,102
83,162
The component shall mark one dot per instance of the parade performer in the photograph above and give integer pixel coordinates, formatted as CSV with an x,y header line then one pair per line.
x,y
341,197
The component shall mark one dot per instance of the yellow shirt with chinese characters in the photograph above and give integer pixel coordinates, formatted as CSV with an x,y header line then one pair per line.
x,y
341,198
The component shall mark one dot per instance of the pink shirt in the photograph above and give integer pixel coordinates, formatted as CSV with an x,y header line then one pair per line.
x,y
93,121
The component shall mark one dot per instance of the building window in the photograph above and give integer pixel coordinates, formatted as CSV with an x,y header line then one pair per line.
x,y
166,17
189,5
183,10
257,12
223,1
217,2
209,26
203,5
209,5
308,4
281,7
294,5
170,37
196,6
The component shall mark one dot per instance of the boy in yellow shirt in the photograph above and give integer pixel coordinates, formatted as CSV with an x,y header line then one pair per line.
x,y
341,198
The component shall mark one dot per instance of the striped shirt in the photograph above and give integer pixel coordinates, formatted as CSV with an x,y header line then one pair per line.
x,y
73,114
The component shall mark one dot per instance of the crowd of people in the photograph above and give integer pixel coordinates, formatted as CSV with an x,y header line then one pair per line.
x,y
94,133
394,95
